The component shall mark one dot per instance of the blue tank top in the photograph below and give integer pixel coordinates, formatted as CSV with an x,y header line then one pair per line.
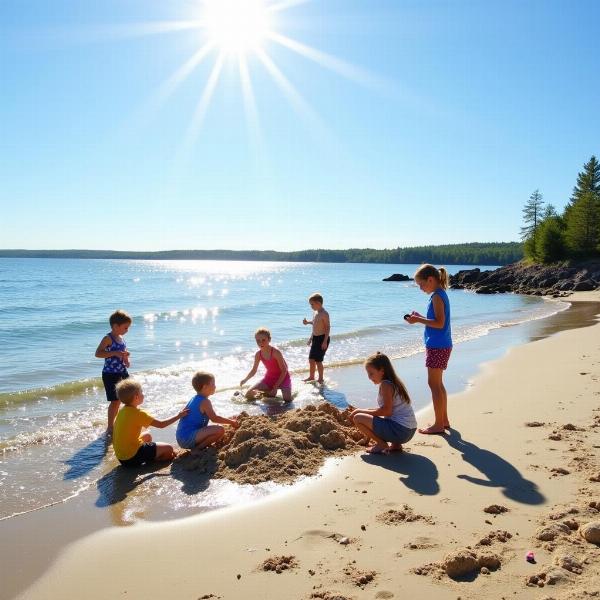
x,y
439,338
194,420
114,364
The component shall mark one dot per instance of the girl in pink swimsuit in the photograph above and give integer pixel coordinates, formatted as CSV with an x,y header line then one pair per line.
x,y
277,376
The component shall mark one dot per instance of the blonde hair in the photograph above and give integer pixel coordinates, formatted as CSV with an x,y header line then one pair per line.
x,y
440,275
316,298
381,362
200,379
263,331
127,390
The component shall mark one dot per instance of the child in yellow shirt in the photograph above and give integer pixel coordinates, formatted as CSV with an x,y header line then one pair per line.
x,y
132,447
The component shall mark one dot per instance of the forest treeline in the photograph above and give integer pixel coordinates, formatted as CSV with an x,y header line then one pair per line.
x,y
574,234
476,253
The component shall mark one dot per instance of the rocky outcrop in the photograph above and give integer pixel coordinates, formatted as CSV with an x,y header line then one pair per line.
x,y
539,280
397,277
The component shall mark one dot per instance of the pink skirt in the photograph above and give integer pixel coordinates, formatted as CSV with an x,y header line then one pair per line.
x,y
437,358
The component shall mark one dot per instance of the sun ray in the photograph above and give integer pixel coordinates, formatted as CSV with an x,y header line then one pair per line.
x,y
332,63
250,104
285,5
296,100
203,104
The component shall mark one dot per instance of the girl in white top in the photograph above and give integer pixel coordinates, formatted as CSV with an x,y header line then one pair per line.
x,y
393,422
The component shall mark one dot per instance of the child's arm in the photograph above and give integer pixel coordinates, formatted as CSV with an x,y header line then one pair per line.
x,y
327,330
167,422
437,322
101,351
282,367
252,370
305,321
208,410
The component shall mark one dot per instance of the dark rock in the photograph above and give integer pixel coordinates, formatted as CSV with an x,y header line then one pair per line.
x,y
398,277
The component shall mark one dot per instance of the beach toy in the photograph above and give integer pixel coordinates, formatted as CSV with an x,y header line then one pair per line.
x,y
530,557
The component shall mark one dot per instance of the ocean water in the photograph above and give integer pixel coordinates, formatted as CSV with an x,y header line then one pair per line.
x,y
187,315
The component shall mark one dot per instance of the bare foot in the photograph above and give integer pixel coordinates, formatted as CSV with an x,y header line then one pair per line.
x,y
431,430
308,379
378,449
363,441
447,426
321,382
396,448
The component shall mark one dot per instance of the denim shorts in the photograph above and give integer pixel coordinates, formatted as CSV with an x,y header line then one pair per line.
x,y
391,431
146,453
187,441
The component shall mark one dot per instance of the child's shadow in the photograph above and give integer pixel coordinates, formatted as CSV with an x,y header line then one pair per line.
x,y
195,470
419,473
499,472
115,486
85,459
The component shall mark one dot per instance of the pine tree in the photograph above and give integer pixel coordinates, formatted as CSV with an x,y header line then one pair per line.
x,y
583,224
588,180
551,245
532,216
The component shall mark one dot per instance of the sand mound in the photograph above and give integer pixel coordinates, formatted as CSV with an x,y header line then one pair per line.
x,y
279,563
590,532
404,515
464,561
495,509
359,577
279,448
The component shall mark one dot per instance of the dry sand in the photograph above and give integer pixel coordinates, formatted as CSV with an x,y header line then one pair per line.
x,y
455,517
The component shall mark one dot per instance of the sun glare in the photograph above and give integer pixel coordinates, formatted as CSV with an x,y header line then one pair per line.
x,y
237,27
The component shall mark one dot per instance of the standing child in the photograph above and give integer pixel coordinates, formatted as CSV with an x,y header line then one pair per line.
x,y
438,340
131,448
394,419
193,431
277,376
113,350
319,340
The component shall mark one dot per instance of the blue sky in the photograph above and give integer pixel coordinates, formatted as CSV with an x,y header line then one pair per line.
x,y
455,112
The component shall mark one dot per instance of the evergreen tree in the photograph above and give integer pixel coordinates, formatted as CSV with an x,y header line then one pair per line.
x,y
551,245
588,180
532,216
583,224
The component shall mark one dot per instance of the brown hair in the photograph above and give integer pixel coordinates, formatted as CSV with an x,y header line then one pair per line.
x,y
381,362
200,379
119,317
440,275
316,298
263,331
127,390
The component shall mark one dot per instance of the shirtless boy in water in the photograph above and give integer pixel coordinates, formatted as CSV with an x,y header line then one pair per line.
x,y
319,340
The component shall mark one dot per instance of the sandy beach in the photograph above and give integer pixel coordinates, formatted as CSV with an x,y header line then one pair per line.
x,y
524,446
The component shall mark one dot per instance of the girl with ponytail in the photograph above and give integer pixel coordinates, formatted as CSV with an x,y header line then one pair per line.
x,y
438,340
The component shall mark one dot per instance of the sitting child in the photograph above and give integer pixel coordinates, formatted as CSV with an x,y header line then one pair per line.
x,y
193,431
394,419
277,376
131,448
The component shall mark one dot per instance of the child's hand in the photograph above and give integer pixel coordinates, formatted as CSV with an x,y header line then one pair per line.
x,y
305,322
309,342
273,392
242,382
411,319
184,413
235,423
324,345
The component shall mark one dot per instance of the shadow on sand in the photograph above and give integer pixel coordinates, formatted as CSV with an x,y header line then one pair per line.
x,y
88,457
417,472
498,472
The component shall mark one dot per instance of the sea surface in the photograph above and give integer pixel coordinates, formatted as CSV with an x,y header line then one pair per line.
x,y
187,315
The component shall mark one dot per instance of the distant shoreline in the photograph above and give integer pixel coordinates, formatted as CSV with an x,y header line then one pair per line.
x,y
501,253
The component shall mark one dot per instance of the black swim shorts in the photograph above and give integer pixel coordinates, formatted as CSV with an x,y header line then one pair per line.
x,y
146,453
316,351
110,381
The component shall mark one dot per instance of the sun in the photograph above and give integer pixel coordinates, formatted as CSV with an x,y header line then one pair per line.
x,y
236,27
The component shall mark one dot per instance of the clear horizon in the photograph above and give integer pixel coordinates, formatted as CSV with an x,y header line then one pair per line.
x,y
289,125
